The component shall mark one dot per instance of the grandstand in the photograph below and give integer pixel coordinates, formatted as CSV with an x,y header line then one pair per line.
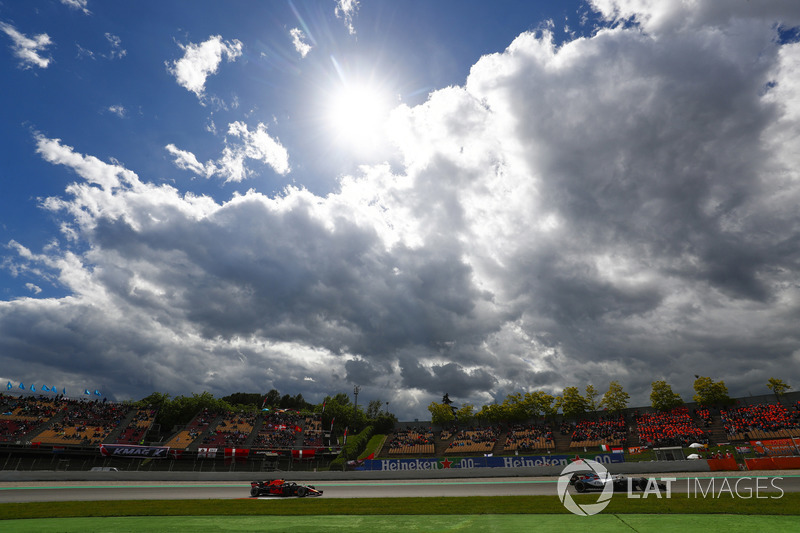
x,y
671,428
23,416
609,431
532,437
280,429
761,421
83,423
416,441
312,431
139,423
197,426
231,430
40,422
474,440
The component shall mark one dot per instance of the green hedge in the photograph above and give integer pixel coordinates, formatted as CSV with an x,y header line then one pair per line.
x,y
372,446
355,444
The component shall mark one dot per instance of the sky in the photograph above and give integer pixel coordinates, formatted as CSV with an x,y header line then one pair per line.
x,y
417,198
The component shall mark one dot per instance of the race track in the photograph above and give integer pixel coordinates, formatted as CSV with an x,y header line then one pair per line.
x,y
766,484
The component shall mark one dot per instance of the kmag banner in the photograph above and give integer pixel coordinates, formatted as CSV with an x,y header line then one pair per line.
x,y
125,450
438,463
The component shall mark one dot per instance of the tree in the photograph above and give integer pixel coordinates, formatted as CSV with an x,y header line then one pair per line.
x,y
465,413
616,399
441,414
183,408
778,387
662,397
157,399
272,399
709,392
244,399
513,408
374,408
539,403
591,398
339,410
491,413
572,404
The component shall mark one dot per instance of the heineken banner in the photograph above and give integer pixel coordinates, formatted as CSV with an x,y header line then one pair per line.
x,y
521,461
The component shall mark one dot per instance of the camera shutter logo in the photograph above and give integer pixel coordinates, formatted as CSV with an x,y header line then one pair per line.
x,y
586,509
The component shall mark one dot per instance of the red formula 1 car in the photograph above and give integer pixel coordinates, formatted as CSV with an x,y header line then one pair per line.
x,y
281,487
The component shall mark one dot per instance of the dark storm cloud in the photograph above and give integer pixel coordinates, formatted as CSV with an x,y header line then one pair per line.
x,y
449,377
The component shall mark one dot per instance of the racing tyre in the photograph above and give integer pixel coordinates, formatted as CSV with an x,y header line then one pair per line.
x,y
301,492
254,492
580,486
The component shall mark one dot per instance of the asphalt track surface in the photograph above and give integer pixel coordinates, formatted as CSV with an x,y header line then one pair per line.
x,y
757,484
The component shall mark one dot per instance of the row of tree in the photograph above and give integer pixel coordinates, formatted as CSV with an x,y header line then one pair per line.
x,y
337,412
518,407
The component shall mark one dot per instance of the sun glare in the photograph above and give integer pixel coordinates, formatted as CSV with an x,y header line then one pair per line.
x,y
356,116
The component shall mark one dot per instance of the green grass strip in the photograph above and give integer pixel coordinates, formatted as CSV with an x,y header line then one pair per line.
x,y
602,523
789,504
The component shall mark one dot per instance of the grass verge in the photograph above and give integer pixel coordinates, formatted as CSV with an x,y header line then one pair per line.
x,y
601,523
787,505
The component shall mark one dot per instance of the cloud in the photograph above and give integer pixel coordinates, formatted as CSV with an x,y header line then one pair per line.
x,y
80,5
298,40
347,10
33,288
258,145
665,16
28,49
118,110
83,52
187,161
201,60
620,207
116,46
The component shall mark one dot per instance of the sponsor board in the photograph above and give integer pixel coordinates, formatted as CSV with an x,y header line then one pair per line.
x,y
129,450
439,463
783,447
206,453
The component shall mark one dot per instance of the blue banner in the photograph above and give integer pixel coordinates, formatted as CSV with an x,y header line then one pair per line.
x,y
521,461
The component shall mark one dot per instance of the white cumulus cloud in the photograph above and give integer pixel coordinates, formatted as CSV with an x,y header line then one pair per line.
x,y
202,60
28,49
232,165
347,10
299,42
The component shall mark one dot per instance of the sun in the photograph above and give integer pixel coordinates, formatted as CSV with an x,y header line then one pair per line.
x,y
356,116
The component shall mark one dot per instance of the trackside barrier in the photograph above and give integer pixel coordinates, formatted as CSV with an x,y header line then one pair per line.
x,y
773,463
716,465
